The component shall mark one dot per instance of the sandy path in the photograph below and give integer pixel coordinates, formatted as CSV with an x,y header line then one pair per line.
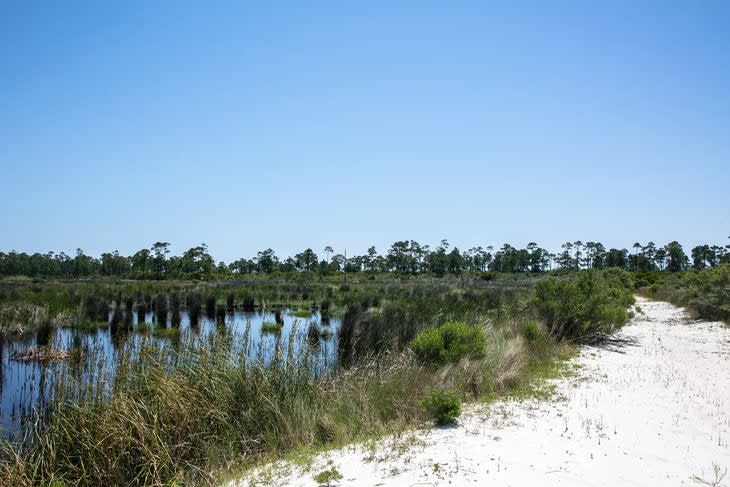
x,y
654,415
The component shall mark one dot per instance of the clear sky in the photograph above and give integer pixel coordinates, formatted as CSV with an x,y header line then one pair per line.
x,y
249,125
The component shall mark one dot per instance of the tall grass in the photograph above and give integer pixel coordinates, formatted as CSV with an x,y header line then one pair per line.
x,y
22,318
184,414
161,427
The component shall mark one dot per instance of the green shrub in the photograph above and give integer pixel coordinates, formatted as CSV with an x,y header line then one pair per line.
x,y
326,477
708,292
449,342
442,405
487,276
532,333
586,308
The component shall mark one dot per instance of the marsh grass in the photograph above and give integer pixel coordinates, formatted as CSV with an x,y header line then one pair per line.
x,y
143,327
22,318
160,424
185,414
168,333
271,327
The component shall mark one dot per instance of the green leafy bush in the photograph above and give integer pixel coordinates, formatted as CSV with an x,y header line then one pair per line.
x,y
442,405
487,276
326,477
449,342
532,333
708,292
587,308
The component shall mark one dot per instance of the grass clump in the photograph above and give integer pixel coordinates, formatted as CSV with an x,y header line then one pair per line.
x,y
532,333
143,327
449,342
442,405
271,327
169,333
21,318
302,313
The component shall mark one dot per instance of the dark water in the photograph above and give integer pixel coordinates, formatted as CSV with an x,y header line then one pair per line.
x,y
26,387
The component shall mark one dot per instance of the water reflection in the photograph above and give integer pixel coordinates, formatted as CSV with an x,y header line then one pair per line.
x,y
94,356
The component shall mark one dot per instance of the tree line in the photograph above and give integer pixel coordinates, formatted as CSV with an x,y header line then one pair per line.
x,y
403,257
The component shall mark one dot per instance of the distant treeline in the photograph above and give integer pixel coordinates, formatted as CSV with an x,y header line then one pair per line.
x,y
403,257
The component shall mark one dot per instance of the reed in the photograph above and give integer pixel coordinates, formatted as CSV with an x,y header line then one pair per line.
x,y
183,412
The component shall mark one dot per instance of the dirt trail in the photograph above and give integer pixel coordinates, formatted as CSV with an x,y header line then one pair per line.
x,y
653,414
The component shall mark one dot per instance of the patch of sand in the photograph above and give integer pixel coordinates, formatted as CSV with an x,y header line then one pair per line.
x,y
654,413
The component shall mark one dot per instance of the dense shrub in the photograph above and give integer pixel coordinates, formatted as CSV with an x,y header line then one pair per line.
x,y
587,308
647,279
708,292
442,405
449,342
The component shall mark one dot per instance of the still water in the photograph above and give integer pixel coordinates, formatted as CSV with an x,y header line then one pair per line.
x,y
26,387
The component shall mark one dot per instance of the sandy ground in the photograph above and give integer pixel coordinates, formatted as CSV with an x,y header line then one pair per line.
x,y
654,413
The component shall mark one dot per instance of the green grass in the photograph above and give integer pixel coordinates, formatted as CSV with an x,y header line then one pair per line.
x,y
168,333
271,327
535,381
21,318
302,313
87,324
184,416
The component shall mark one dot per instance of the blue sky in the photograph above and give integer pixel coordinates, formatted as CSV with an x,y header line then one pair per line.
x,y
303,124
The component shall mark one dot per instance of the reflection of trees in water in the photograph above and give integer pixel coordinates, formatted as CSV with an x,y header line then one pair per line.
x,y
43,335
94,355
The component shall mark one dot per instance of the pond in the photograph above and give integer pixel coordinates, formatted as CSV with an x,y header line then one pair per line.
x,y
94,356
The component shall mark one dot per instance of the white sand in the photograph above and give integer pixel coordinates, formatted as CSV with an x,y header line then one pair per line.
x,y
655,414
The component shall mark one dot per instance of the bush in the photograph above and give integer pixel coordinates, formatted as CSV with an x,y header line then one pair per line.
x,y
442,405
449,342
487,276
587,308
708,292
326,477
532,333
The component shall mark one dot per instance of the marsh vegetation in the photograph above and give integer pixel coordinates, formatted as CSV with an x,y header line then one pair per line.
x,y
179,381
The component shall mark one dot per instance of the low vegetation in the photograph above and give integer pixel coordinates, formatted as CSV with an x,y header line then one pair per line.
x,y
442,405
449,342
706,292
587,308
408,351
